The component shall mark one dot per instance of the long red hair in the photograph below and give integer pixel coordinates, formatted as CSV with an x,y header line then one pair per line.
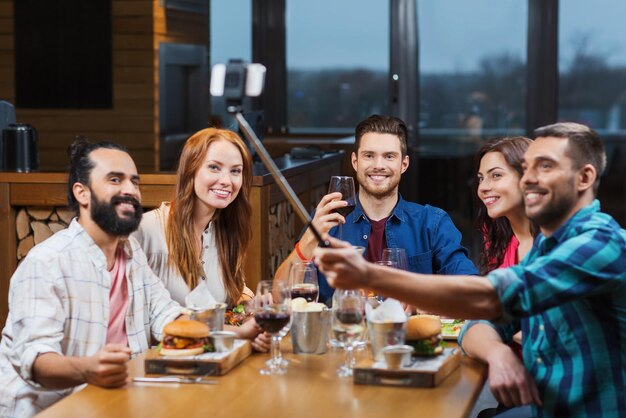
x,y
233,231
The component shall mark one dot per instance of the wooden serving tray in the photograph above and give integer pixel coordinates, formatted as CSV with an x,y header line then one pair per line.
x,y
425,372
207,364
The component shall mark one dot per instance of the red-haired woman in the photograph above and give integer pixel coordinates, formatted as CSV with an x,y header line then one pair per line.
x,y
507,236
204,233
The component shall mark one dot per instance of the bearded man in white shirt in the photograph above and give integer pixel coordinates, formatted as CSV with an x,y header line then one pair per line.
x,y
83,301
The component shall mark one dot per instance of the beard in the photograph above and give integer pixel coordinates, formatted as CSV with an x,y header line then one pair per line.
x,y
105,215
381,192
554,210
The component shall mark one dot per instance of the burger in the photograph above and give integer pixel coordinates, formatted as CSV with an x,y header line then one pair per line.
x,y
185,338
423,333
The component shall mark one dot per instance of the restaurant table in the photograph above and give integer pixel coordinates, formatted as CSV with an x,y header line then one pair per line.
x,y
310,388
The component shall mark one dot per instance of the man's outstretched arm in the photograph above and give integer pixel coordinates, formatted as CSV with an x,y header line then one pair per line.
x,y
468,297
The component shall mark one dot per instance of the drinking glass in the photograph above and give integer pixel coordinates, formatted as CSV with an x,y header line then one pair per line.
x,y
334,342
386,263
272,312
345,186
359,249
303,281
280,361
348,324
396,255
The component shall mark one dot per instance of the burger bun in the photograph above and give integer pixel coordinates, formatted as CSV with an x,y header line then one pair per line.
x,y
420,327
181,352
187,328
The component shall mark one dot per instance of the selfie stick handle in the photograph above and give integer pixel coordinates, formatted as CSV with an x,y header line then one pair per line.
x,y
278,177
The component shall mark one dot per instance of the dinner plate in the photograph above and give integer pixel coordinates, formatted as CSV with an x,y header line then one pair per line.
x,y
451,328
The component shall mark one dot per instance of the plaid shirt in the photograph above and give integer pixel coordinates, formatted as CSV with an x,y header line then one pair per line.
x,y
569,294
59,302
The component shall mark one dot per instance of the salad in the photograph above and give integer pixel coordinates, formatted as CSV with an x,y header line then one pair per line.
x,y
451,327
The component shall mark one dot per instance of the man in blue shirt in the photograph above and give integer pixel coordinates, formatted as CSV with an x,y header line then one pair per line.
x,y
381,218
568,295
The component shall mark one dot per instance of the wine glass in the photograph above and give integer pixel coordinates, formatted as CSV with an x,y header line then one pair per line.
x,y
303,281
397,256
280,361
348,324
334,342
345,186
385,263
272,312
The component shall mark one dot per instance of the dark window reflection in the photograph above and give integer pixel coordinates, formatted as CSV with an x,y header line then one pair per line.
x,y
337,63
472,87
592,85
231,37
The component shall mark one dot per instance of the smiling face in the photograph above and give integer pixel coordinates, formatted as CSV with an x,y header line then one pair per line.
x,y
498,186
379,164
218,180
114,203
549,183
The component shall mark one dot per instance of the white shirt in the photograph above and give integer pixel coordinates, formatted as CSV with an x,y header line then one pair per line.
x,y
151,237
59,302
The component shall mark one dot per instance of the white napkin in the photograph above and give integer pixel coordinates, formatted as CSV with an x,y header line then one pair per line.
x,y
200,297
389,311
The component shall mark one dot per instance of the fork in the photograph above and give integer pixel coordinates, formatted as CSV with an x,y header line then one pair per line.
x,y
176,379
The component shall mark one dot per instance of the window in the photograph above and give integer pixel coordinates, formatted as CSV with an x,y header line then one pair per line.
x,y
592,85
337,63
592,65
472,75
230,38
63,54
472,67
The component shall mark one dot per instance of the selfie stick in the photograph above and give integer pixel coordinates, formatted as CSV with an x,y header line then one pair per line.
x,y
276,174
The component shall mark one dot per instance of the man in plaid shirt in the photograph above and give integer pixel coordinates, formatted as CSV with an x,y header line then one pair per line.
x,y
85,300
568,294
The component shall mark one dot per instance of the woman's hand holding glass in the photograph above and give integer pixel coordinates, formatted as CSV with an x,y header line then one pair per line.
x,y
272,314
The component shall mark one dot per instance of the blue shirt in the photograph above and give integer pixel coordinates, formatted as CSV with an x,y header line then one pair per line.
x,y
431,241
569,295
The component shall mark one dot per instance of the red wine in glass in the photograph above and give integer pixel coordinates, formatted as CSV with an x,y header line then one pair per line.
x,y
346,210
345,186
307,291
272,322
349,316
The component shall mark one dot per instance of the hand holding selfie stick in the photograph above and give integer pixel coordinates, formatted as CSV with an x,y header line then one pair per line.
x,y
235,81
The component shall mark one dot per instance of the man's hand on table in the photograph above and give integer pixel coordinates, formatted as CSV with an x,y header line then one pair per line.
x,y
108,367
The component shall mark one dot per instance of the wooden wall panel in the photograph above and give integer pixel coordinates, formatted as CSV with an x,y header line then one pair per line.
x,y
138,28
130,121
7,72
7,77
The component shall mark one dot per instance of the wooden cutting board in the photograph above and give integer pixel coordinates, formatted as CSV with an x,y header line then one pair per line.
x,y
424,372
207,364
